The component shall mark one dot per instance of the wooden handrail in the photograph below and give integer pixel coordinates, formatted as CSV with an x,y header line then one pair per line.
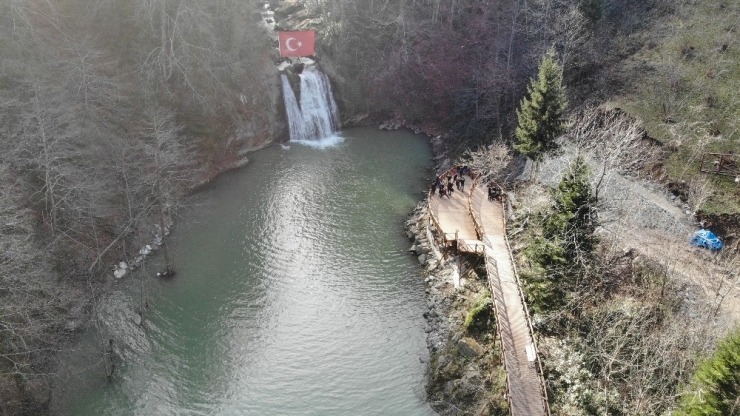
x,y
480,233
476,221
540,372
498,327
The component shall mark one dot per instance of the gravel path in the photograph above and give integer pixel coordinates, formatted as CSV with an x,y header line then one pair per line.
x,y
644,217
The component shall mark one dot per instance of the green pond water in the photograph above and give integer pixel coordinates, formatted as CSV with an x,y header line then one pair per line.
x,y
294,295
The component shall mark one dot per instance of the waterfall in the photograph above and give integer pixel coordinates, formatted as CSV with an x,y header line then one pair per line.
x,y
317,116
295,120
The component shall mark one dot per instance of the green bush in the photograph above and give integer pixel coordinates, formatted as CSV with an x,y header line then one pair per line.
x,y
482,302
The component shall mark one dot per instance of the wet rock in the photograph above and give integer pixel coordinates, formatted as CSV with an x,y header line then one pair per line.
x,y
423,259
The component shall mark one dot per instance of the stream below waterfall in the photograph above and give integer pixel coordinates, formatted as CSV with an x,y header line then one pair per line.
x,y
295,295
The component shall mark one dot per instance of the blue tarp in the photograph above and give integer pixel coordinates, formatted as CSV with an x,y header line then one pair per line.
x,y
706,239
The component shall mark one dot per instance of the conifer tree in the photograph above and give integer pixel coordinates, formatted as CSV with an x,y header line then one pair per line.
x,y
560,254
715,388
542,114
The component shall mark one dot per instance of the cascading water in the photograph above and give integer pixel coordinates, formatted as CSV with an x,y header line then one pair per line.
x,y
317,116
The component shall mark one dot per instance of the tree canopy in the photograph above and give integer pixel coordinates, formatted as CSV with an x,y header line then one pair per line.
x,y
715,389
563,248
541,113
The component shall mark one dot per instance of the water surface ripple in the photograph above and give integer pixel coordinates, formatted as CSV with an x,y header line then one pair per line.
x,y
294,294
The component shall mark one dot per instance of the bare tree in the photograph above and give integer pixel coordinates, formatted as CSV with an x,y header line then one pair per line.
x,y
614,138
88,72
168,161
35,307
47,145
489,161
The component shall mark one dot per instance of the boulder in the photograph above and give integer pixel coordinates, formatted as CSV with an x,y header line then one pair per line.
x,y
442,361
464,390
298,67
468,347
423,259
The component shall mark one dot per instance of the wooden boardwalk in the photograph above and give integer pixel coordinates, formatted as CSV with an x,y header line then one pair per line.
x,y
453,216
472,212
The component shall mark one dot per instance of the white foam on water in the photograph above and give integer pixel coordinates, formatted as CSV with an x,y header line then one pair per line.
x,y
326,142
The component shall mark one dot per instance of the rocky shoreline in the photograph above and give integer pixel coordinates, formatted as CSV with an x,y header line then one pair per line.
x,y
464,369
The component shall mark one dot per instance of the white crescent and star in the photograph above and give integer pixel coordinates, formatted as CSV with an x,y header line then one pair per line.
x,y
288,47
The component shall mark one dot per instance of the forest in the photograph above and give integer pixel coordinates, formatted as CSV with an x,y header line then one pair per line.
x,y
112,111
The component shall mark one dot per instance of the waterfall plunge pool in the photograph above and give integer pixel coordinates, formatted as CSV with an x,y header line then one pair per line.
x,y
294,295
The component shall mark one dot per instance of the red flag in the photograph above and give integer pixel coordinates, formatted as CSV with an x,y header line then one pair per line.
x,y
297,43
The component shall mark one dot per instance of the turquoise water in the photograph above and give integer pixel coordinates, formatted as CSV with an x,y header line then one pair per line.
x,y
294,295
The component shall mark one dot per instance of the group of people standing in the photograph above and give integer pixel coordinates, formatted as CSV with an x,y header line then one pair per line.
x,y
446,184
493,191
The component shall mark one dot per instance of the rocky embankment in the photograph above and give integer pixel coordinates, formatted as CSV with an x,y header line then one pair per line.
x,y
464,368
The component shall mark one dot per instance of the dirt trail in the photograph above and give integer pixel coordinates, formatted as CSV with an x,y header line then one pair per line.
x,y
641,216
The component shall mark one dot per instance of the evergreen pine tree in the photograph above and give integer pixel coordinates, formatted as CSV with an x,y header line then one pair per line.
x,y
542,114
560,254
715,388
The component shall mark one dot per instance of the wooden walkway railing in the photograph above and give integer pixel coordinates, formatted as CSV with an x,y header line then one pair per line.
x,y
527,395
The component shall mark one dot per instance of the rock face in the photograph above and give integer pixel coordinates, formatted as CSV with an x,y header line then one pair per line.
x,y
258,129
468,347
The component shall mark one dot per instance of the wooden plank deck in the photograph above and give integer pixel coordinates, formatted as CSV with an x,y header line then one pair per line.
x,y
525,383
471,246
453,216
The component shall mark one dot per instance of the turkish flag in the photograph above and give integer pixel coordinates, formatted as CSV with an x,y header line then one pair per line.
x,y
297,43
